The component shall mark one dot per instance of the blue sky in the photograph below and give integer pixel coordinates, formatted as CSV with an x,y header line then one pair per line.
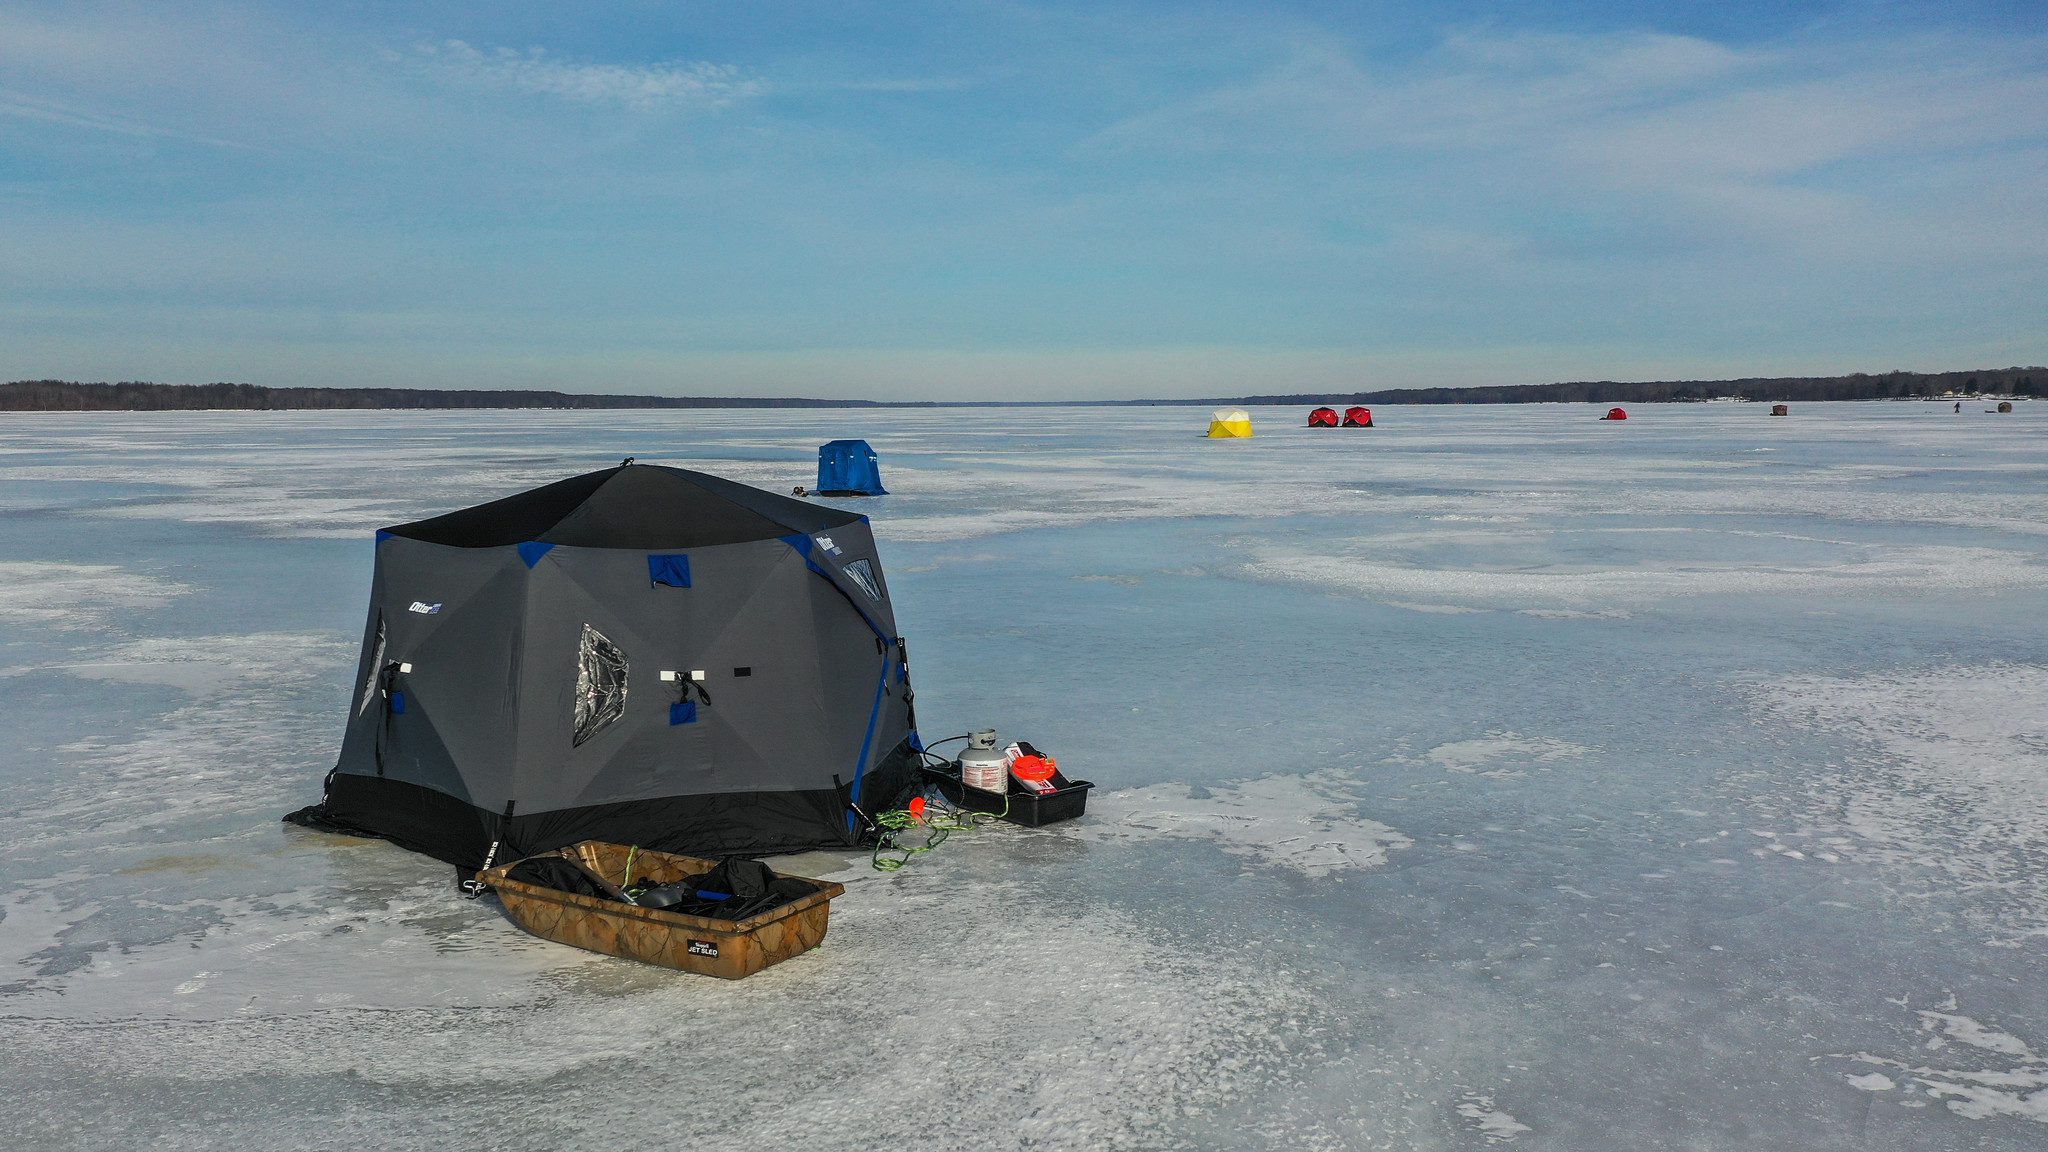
x,y
1009,200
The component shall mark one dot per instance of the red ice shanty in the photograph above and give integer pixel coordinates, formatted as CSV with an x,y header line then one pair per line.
x,y
1356,417
1616,414
1323,418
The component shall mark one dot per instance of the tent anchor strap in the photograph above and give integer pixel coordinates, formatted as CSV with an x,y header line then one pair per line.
x,y
472,888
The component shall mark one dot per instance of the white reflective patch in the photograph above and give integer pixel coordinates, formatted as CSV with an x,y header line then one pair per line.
x,y
424,608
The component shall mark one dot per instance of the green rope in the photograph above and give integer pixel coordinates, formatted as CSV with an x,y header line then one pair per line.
x,y
939,827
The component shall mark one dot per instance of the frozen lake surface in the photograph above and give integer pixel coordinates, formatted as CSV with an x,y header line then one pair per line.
x,y
1497,777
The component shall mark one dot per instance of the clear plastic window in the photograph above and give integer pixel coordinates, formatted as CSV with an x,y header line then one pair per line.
x,y
861,572
600,683
376,672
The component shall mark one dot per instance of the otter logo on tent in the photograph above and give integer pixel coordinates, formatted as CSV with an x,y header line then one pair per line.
x,y
826,543
425,609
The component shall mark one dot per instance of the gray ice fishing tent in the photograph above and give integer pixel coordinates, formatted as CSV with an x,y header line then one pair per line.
x,y
644,655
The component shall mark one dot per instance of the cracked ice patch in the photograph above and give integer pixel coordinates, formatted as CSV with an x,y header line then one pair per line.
x,y
2001,1075
1506,752
75,595
1945,778
1308,824
1496,1125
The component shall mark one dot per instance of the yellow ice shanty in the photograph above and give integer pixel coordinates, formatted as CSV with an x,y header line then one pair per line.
x,y
1229,423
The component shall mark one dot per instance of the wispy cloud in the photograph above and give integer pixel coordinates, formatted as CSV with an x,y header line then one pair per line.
x,y
1762,139
642,87
1670,98
913,84
51,112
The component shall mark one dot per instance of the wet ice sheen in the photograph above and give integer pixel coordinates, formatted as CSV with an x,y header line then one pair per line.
x,y
1496,777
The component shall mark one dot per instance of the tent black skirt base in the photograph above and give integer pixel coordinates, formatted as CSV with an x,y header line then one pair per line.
x,y
448,828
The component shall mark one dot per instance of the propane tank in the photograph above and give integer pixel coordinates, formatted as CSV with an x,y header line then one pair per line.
x,y
982,765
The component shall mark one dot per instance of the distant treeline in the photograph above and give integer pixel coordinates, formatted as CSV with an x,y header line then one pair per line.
x,y
1861,386
66,396
135,396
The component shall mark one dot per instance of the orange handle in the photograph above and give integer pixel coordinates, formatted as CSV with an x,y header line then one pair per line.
x,y
1035,767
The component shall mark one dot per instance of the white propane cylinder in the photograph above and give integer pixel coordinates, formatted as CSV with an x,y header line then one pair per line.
x,y
982,765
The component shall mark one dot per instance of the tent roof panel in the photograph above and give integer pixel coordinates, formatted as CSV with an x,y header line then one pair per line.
x,y
631,506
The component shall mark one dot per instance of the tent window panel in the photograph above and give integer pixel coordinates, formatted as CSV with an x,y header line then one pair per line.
x,y
861,572
376,669
600,683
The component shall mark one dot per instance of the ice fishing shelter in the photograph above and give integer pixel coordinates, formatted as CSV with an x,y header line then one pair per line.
x,y
849,468
1356,417
1615,414
1230,423
643,655
1323,418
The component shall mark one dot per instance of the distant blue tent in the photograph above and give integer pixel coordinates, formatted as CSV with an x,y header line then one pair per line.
x,y
849,468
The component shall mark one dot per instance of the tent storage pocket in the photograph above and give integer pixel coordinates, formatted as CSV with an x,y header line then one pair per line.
x,y
1067,799
724,948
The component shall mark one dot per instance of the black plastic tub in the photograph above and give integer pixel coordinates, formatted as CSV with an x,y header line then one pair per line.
x,y
1067,799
